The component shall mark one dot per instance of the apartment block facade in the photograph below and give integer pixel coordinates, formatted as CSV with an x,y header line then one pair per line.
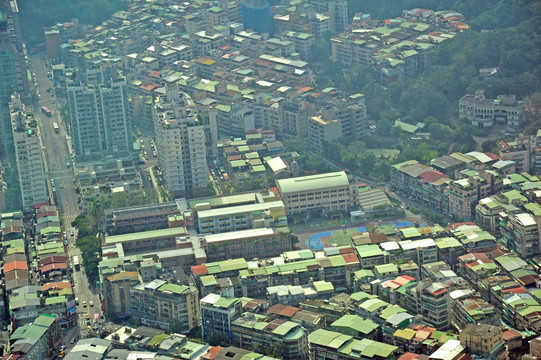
x,y
99,113
180,144
28,153
217,314
521,233
158,303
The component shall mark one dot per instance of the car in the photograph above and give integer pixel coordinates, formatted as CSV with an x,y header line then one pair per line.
x,y
61,185
72,341
71,233
88,328
76,300
91,303
84,303
87,316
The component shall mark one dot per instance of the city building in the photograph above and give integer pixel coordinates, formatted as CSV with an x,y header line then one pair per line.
x,y
325,344
465,193
520,232
255,330
91,348
28,153
257,16
36,341
116,293
253,243
484,340
322,131
13,69
330,193
99,114
158,303
180,143
217,314
138,218
214,217
485,113
518,151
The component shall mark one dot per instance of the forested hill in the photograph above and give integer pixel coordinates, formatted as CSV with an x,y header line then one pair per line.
x,y
37,14
481,14
505,34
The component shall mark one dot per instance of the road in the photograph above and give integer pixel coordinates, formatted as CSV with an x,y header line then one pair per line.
x,y
59,168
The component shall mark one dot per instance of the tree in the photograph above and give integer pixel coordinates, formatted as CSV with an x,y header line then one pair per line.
x,y
490,146
280,350
176,326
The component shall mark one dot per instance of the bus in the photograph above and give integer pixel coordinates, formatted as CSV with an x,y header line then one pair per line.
x,y
55,127
46,111
76,264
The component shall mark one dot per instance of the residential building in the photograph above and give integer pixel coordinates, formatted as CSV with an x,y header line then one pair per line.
x,y
28,153
536,153
257,16
217,314
484,113
356,326
303,43
518,151
330,193
338,10
100,121
91,348
116,292
487,213
180,144
255,330
325,344
233,120
36,341
421,183
464,194
428,299
468,307
158,303
485,340
322,131
13,69
520,232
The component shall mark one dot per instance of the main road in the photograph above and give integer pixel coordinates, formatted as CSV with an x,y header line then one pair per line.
x,y
60,169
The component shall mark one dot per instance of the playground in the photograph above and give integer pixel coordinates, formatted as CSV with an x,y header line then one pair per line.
x,y
342,237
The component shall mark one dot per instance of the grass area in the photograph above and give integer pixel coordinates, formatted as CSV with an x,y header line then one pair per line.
x,y
341,237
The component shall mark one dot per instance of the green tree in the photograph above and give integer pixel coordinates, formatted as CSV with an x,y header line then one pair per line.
x,y
176,326
280,350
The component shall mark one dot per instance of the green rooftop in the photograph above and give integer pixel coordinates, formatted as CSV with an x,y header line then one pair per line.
x,y
354,324
146,235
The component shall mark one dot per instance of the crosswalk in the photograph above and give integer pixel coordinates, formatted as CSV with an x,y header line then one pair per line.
x,y
69,216
54,172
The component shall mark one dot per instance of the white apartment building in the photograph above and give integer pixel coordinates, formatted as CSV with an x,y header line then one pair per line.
x,y
28,154
484,113
180,143
99,117
217,313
